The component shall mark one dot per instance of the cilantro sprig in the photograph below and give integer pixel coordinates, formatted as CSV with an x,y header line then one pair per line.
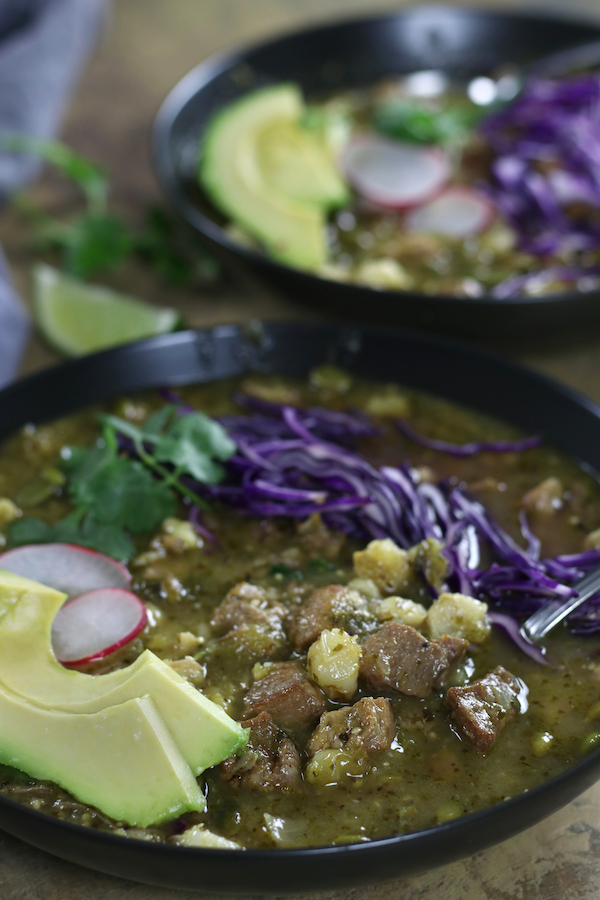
x,y
192,444
97,240
120,491
410,120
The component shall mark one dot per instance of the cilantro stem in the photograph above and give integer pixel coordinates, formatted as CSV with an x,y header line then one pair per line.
x,y
171,478
110,437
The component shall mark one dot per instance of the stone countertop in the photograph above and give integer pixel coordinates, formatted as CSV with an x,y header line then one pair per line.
x,y
147,47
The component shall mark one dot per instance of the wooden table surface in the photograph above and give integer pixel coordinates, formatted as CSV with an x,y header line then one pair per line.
x,y
147,47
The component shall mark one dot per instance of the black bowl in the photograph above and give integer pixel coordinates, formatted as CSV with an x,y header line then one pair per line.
x,y
468,376
350,54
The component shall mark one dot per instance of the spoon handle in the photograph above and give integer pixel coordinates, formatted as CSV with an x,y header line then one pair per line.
x,y
542,621
581,56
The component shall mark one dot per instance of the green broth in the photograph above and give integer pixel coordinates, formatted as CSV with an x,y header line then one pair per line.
x,y
429,774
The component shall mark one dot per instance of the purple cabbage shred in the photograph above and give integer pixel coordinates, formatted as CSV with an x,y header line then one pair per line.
x,y
547,156
470,449
295,462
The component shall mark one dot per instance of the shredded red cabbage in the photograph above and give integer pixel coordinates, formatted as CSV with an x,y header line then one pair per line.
x,y
281,476
584,280
511,627
547,146
295,462
470,449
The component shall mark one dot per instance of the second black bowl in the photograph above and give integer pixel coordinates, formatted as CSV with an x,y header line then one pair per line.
x,y
346,55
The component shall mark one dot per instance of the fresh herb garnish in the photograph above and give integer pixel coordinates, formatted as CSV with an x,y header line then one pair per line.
x,y
77,528
410,120
98,240
192,444
319,564
120,490
85,174
286,571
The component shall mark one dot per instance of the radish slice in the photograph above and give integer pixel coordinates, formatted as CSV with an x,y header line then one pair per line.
x,y
95,624
394,174
66,567
458,212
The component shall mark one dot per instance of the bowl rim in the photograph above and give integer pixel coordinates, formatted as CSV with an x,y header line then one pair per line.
x,y
200,77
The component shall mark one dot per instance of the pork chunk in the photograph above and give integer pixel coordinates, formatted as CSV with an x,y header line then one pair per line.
x,y
482,710
317,539
269,762
399,658
288,695
546,498
329,607
247,604
365,728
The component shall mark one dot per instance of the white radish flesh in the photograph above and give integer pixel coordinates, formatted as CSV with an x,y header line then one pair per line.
x,y
458,212
394,174
95,624
66,567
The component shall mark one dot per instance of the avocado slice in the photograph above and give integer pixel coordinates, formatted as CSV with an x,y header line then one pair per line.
x,y
271,175
121,759
203,732
296,160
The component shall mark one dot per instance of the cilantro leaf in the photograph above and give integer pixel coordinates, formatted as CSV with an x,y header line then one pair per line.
x,y
122,426
109,539
87,176
94,243
156,424
124,492
98,241
115,495
320,564
286,571
411,120
192,444
119,490
82,465
149,432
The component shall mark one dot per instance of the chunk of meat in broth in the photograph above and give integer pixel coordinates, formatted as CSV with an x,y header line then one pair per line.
x,y
288,695
367,727
330,607
546,498
269,762
247,604
482,710
317,539
251,625
399,658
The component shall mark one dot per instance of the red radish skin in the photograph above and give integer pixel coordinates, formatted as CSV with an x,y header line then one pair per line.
x,y
68,568
95,624
457,212
394,174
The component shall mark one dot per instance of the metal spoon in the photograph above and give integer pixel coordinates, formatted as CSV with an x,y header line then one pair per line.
x,y
541,622
508,83
485,90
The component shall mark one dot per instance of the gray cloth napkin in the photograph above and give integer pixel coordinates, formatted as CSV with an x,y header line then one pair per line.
x,y
43,46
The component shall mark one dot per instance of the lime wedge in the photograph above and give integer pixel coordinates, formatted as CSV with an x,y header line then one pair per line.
x,y
78,318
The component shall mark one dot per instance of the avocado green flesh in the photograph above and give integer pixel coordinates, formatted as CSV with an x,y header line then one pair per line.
x,y
130,742
121,759
272,177
296,162
204,733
